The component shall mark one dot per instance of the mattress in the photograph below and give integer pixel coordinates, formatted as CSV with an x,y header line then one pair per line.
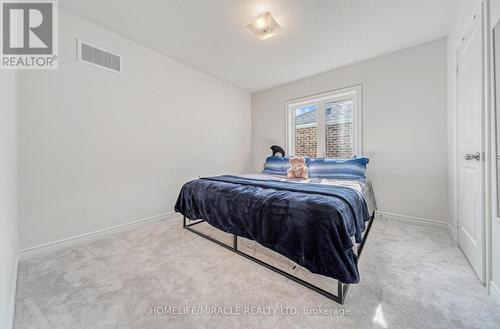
x,y
363,186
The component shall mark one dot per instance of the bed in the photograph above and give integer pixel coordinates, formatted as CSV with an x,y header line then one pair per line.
x,y
320,224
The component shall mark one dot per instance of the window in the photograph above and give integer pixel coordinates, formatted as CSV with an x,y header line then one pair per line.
x,y
326,125
306,131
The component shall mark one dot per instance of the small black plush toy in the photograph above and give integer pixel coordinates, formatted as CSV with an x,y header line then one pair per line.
x,y
278,149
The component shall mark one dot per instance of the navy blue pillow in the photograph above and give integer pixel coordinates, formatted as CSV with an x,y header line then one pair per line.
x,y
335,168
276,165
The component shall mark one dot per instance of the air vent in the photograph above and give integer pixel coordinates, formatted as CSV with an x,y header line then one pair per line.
x,y
97,56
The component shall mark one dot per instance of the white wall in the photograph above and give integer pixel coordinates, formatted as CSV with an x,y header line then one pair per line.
x,y
8,195
99,149
404,109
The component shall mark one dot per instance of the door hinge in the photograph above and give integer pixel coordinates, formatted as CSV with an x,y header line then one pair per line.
x,y
457,69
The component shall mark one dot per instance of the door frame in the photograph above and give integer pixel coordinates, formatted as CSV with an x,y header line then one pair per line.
x,y
494,107
488,142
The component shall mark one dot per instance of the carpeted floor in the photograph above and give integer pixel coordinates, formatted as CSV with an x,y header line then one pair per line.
x,y
411,277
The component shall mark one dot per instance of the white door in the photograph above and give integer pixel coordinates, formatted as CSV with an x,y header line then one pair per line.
x,y
470,145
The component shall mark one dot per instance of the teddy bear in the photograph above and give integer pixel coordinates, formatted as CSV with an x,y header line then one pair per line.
x,y
298,168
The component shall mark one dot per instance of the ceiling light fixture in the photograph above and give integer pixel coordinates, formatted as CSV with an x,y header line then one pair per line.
x,y
265,26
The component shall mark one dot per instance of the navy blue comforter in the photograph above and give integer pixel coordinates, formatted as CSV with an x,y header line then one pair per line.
x,y
311,224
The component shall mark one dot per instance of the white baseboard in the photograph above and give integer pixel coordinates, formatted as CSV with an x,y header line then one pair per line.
x,y
77,239
453,231
413,220
495,292
13,291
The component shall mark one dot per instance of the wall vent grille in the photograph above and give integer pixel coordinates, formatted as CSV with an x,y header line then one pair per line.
x,y
97,56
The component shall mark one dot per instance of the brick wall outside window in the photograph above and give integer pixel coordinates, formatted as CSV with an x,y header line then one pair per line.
x,y
339,141
306,142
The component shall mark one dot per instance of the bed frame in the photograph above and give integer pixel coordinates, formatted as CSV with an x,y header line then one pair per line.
x,y
342,288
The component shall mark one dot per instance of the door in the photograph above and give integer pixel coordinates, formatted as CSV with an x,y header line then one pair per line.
x,y
470,145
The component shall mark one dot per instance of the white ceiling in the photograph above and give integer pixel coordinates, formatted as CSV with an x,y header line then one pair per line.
x,y
317,35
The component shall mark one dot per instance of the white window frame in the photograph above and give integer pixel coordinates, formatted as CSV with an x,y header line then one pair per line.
x,y
320,100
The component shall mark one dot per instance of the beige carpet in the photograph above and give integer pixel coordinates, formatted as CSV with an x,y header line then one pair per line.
x,y
411,277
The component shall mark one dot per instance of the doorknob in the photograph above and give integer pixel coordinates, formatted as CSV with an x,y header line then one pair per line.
x,y
470,156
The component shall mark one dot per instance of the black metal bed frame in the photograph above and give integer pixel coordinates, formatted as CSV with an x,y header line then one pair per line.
x,y
342,288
